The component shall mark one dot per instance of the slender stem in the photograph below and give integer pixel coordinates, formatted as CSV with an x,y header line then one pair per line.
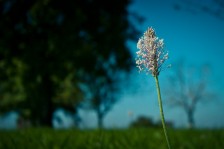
x,y
161,111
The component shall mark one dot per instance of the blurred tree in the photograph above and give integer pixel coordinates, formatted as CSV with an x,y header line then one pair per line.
x,y
146,122
102,94
188,87
12,91
213,7
48,48
143,121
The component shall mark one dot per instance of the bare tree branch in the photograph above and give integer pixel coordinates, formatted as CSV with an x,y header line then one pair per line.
x,y
212,7
186,90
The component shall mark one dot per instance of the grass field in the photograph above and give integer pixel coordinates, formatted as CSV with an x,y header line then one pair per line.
x,y
43,138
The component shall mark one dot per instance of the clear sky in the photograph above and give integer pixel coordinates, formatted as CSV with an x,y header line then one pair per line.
x,y
195,36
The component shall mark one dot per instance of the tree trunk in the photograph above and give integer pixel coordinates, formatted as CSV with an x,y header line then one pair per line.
x,y
190,115
48,108
100,119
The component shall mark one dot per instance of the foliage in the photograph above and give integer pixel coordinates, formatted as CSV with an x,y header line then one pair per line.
x,y
110,139
143,121
50,48
213,7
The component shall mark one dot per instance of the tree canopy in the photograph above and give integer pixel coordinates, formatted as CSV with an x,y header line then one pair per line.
x,y
49,50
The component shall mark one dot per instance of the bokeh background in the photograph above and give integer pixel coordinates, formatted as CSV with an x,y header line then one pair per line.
x,y
72,64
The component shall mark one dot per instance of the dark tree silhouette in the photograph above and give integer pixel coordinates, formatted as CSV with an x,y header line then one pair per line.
x,y
187,88
102,95
143,121
146,122
48,47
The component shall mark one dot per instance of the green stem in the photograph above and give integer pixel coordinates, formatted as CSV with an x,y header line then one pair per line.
x,y
161,111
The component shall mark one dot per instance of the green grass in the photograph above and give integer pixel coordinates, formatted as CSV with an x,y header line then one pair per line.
x,y
42,138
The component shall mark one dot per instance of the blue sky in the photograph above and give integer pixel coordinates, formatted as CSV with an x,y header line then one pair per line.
x,y
195,37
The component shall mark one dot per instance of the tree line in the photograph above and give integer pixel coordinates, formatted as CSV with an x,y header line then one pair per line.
x,y
59,54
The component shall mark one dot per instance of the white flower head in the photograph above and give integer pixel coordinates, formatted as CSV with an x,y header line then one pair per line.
x,y
151,55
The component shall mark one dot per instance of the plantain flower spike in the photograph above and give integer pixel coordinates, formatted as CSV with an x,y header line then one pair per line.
x,y
151,54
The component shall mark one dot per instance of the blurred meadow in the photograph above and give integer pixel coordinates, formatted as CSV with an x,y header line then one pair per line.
x,y
110,139
68,77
